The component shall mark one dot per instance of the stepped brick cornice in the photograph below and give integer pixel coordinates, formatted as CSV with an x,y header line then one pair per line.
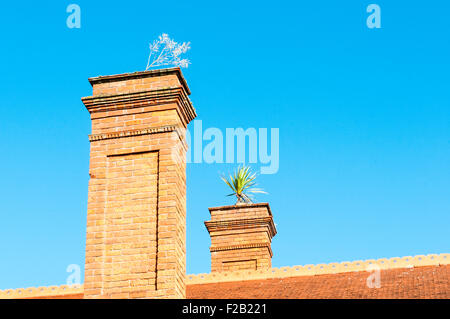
x,y
157,99
242,223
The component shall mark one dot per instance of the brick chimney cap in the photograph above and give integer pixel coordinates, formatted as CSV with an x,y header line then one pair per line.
x,y
141,74
251,205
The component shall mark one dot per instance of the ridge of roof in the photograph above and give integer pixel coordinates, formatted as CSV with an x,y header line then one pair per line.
x,y
320,269
33,292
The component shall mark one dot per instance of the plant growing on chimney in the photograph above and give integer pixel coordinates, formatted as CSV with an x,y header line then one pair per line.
x,y
166,51
241,183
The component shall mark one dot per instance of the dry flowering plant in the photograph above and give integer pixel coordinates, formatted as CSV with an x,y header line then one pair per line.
x,y
165,51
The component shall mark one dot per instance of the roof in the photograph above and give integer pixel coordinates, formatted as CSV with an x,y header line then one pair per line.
x,y
406,277
404,283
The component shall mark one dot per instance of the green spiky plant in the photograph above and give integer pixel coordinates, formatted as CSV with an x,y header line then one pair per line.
x,y
242,184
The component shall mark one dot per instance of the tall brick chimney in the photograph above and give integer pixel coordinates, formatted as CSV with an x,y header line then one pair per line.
x,y
241,237
136,222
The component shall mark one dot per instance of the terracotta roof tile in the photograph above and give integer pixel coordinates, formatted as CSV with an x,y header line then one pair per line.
x,y
404,283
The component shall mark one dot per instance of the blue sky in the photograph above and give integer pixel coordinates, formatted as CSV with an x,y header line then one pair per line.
x,y
363,115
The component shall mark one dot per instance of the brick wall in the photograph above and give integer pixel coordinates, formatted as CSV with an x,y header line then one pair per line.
x,y
136,224
241,237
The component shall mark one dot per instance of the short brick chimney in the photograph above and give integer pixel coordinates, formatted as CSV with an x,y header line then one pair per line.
x,y
241,237
136,220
